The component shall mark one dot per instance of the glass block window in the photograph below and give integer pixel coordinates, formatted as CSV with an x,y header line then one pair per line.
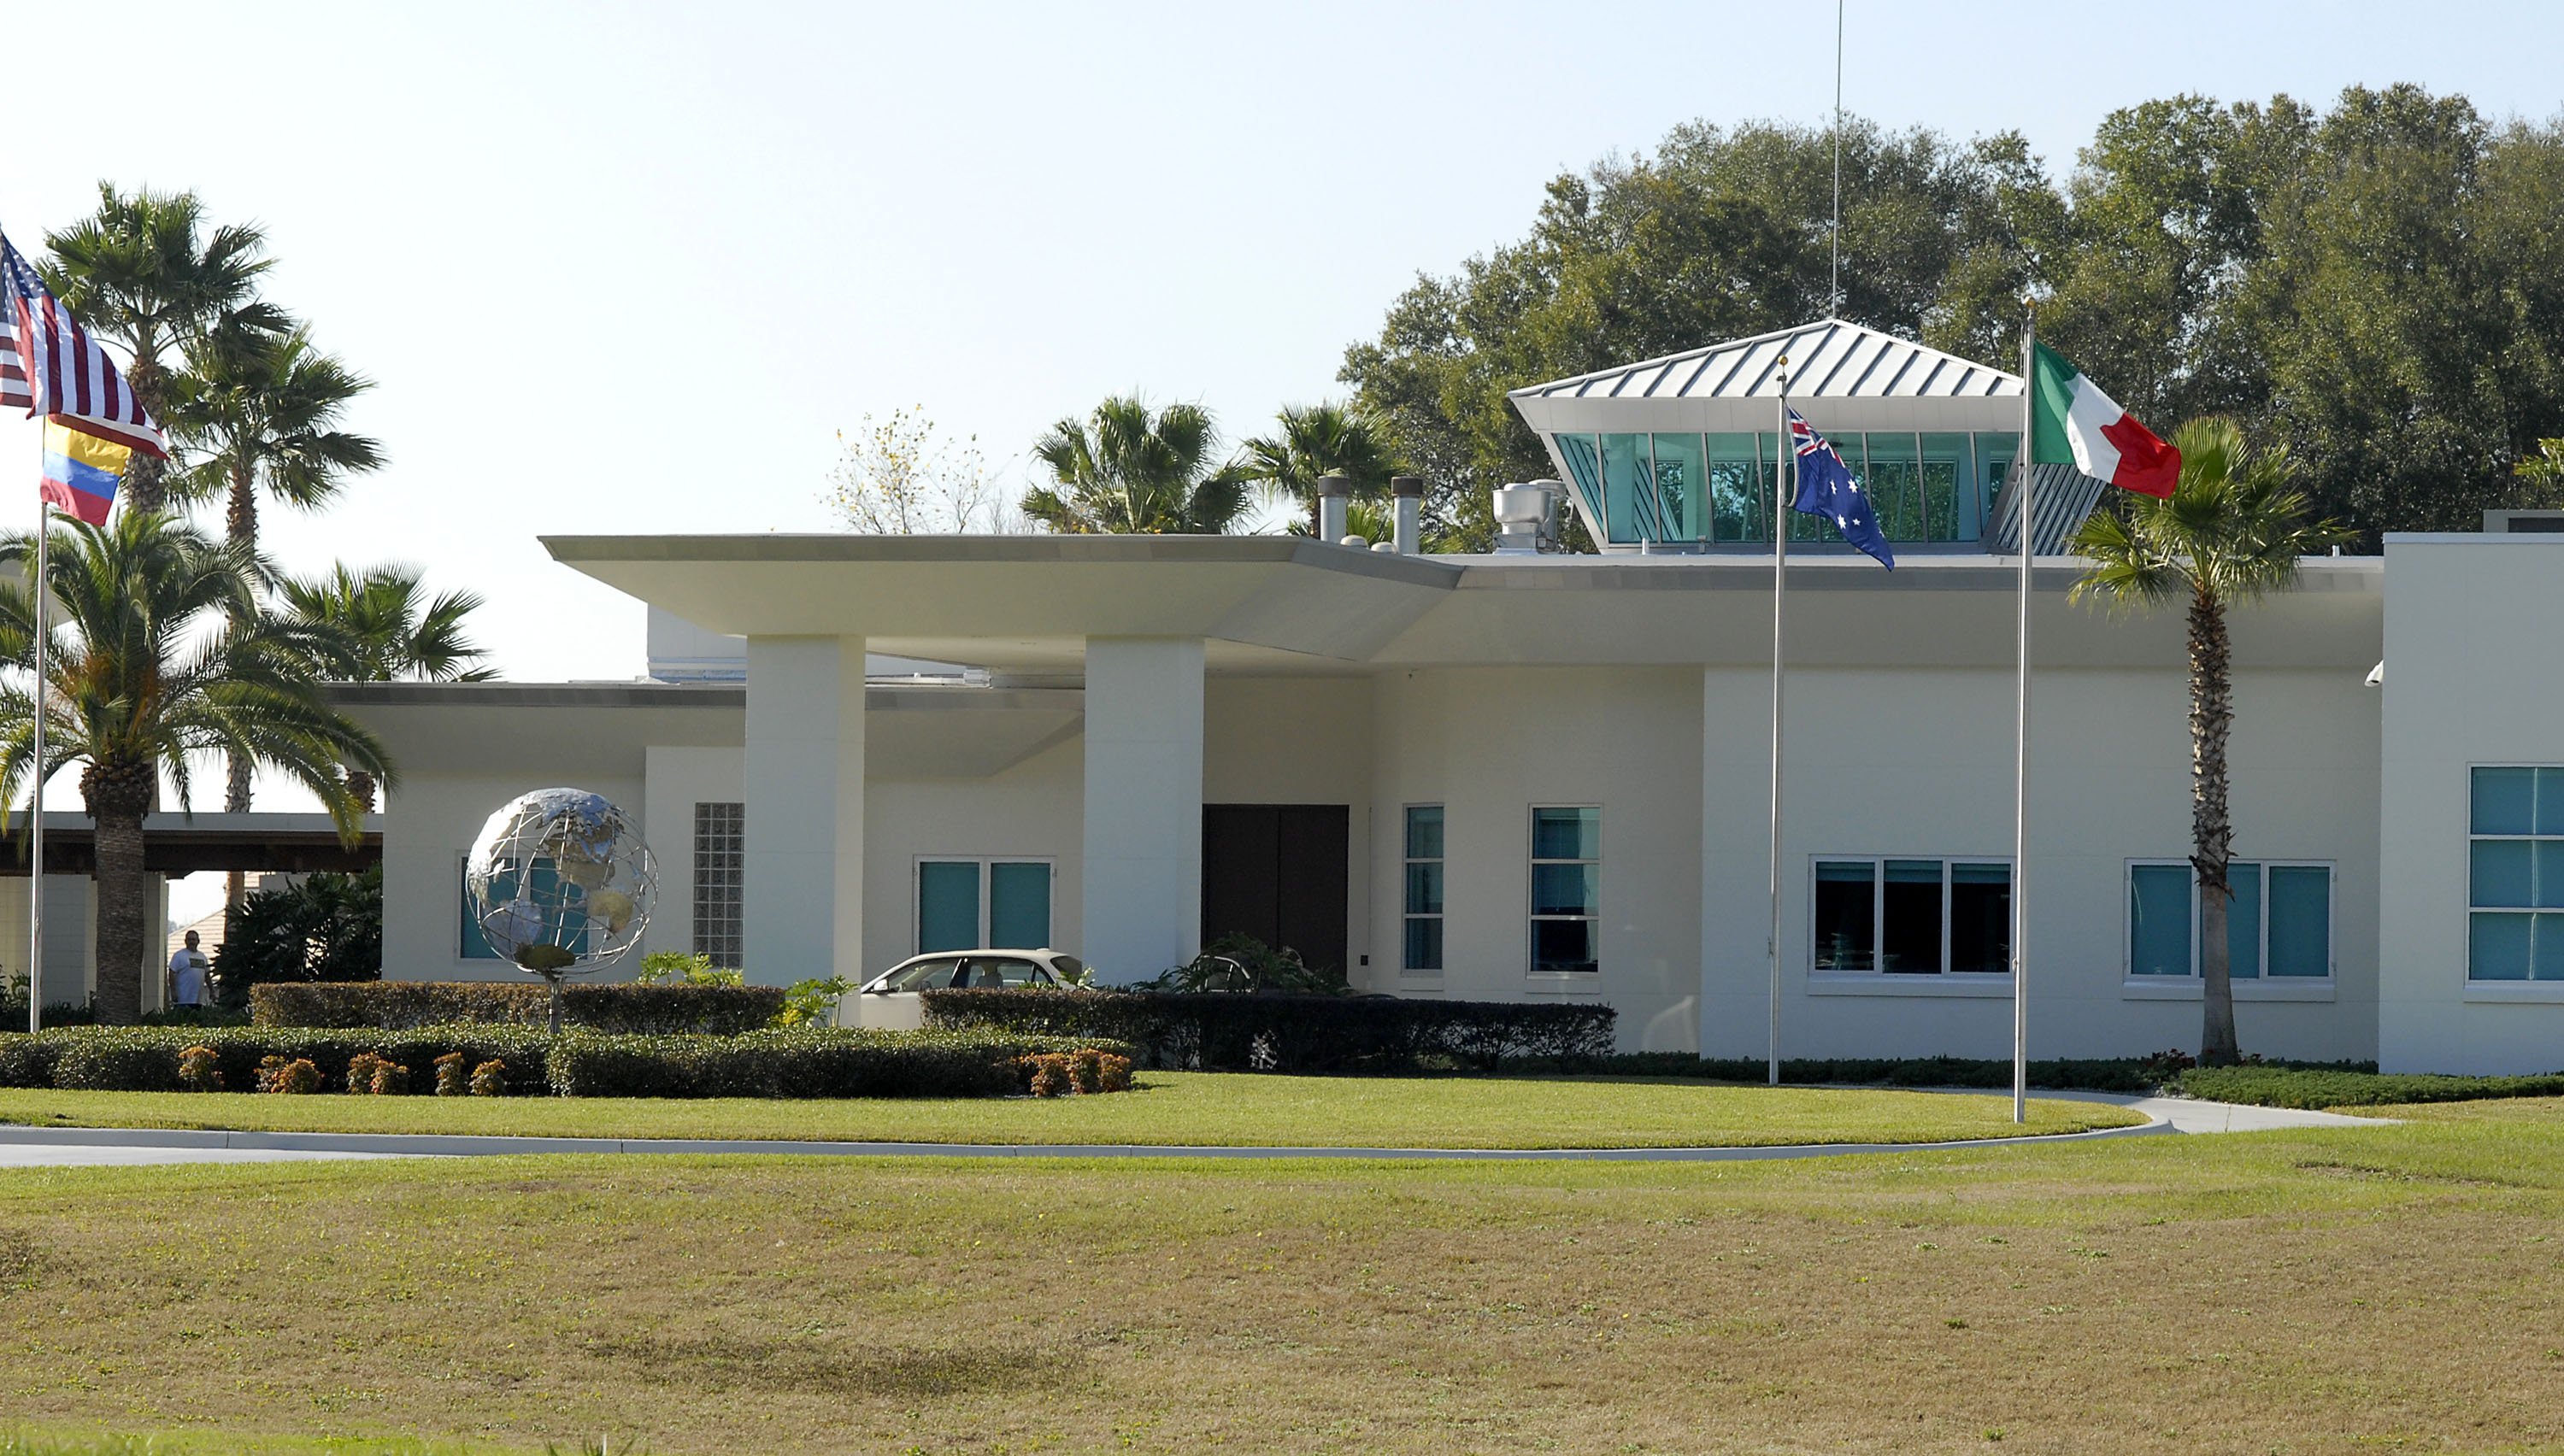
x,y
720,864
2515,873
1565,890
2278,925
1423,854
1913,916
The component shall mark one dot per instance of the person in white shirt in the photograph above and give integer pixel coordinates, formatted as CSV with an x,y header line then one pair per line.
x,y
188,969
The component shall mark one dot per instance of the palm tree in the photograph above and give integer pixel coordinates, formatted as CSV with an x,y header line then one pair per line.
x,y
1124,471
160,654
141,273
1318,440
388,633
263,410
2230,533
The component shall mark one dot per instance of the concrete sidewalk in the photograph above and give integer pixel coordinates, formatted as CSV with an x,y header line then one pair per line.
x,y
59,1147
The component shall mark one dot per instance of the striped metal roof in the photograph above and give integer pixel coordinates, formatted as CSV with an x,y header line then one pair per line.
x,y
1828,360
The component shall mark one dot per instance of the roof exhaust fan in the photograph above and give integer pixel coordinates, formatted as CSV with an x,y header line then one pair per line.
x,y
1527,517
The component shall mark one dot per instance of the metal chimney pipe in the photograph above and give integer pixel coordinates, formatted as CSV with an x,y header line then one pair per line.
x,y
1409,492
1334,491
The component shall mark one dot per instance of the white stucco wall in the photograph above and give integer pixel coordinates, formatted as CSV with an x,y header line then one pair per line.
x,y
2475,675
1490,743
1029,811
1919,763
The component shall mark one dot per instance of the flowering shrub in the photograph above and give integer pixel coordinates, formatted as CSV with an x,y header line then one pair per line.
x,y
200,1068
453,1075
296,1074
490,1079
1085,1071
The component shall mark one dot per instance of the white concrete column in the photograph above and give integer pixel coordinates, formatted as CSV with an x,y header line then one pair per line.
x,y
804,790
1143,806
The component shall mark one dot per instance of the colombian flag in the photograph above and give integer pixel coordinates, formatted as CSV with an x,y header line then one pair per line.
x,y
82,472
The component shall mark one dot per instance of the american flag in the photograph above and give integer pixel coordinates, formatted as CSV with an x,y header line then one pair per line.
x,y
51,365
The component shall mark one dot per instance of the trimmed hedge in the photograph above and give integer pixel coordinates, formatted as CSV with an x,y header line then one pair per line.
x,y
1287,1033
805,1063
2328,1086
809,1063
2135,1075
146,1058
627,1010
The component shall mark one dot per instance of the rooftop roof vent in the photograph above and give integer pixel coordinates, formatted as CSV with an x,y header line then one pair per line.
x,y
1526,517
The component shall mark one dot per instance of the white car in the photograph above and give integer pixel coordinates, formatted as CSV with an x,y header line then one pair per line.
x,y
890,1000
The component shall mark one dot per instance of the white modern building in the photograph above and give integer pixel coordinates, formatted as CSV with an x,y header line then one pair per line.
x,y
1533,775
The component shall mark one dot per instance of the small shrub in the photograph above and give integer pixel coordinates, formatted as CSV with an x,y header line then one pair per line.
x,y
453,1075
1084,1072
289,1075
490,1079
633,1010
200,1068
812,1002
677,967
371,1074
1050,1075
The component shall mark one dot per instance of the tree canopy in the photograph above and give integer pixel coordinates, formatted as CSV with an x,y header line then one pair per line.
x,y
2379,288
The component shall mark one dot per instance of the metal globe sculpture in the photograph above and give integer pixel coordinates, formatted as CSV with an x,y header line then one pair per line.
x,y
560,883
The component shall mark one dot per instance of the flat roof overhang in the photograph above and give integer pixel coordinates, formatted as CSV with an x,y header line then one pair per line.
x,y
176,844
1267,604
1028,603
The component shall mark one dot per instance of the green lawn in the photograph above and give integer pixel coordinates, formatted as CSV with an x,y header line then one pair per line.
x,y
1194,1109
2305,1292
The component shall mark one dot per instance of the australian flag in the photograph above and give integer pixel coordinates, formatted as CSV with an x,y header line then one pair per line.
x,y
1826,489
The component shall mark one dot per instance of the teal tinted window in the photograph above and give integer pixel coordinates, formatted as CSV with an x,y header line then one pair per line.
x,y
1584,458
548,915
2159,920
1946,466
1018,905
1735,490
2298,906
947,905
1423,950
476,947
1995,452
1565,888
1629,510
2516,862
1425,832
1894,483
2505,801
2244,921
1682,488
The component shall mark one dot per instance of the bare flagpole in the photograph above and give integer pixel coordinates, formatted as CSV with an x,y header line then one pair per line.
x,y
1780,589
1834,295
36,795
2021,729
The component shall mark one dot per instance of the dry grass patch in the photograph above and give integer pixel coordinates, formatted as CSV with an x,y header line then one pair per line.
x,y
2231,1294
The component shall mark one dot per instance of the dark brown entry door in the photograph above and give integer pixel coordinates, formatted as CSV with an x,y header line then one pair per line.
x,y
1279,872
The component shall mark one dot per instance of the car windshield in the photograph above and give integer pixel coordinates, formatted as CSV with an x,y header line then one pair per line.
x,y
990,972
925,976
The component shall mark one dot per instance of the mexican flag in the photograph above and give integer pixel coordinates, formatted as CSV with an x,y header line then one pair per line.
x,y
2074,423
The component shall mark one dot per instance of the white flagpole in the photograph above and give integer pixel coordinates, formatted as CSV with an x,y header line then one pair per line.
x,y
2021,731
36,795
1780,589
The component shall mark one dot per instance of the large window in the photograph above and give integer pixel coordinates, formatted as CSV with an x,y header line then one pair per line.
x,y
721,859
1911,916
967,904
1565,890
2515,873
2278,925
1718,488
1423,951
546,914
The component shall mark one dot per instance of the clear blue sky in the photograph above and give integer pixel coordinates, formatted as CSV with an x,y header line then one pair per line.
x,y
629,268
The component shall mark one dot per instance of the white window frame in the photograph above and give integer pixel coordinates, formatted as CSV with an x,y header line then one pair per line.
x,y
1878,921
917,892
2489,989
1531,864
2199,939
1444,915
